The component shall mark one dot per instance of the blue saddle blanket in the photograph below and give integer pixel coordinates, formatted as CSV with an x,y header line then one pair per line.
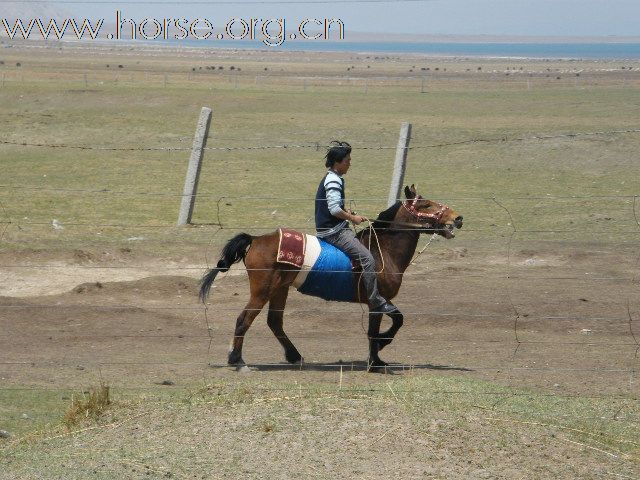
x,y
330,276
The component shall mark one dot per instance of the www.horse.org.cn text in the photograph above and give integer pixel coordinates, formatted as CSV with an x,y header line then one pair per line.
x,y
272,32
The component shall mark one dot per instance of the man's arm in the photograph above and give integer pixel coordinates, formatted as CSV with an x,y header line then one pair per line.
x,y
333,191
356,219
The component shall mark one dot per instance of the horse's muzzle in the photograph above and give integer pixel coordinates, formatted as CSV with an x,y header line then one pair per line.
x,y
458,222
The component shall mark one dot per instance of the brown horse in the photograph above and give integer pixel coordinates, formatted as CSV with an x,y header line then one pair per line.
x,y
397,231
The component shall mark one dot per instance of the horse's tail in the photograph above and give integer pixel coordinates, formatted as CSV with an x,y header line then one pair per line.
x,y
234,251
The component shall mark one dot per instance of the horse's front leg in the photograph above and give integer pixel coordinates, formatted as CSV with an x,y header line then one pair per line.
x,y
386,338
375,364
377,340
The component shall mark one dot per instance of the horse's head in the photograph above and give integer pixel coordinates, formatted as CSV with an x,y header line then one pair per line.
x,y
430,216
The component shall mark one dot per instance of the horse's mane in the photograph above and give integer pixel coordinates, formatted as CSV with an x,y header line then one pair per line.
x,y
384,219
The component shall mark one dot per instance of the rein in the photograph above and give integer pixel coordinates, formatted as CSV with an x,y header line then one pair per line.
x,y
373,230
412,210
422,220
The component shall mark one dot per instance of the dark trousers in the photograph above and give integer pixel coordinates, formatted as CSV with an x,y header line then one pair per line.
x,y
346,241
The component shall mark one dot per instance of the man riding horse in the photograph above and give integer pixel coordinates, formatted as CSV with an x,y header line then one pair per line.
x,y
332,224
319,265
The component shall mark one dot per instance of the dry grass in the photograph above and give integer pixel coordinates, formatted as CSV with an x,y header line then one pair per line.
x,y
412,427
89,405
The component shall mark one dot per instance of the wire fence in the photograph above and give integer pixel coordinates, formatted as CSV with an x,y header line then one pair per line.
x,y
419,80
620,335
361,145
516,317
564,330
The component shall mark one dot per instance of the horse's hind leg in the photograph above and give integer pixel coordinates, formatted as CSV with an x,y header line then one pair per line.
x,y
245,319
275,321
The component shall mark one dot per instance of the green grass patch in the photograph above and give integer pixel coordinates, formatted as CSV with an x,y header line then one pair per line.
x,y
138,189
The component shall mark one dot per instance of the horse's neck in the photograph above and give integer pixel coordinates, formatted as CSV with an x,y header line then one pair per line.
x,y
399,245
398,249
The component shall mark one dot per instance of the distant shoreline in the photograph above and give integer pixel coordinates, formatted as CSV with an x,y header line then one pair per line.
x,y
537,51
496,50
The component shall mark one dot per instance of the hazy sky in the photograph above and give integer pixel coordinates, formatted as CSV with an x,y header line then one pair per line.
x,y
468,17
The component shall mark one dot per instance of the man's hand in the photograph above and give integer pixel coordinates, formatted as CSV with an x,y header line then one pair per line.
x,y
357,219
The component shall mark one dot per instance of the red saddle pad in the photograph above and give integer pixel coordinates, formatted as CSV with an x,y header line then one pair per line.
x,y
291,247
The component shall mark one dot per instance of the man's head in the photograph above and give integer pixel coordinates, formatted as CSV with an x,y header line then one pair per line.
x,y
338,157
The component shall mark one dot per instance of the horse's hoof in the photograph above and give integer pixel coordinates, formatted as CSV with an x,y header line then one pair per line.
x,y
236,362
378,367
294,358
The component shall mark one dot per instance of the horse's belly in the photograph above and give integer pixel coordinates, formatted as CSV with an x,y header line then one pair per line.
x,y
326,272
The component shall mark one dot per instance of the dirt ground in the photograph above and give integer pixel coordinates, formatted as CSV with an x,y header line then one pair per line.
x,y
533,323
557,318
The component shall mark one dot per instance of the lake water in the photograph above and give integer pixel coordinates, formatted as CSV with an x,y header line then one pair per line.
x,y
620,51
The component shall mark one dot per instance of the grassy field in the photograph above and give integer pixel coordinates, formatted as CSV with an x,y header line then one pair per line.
x,y
417,427
91,162
141,114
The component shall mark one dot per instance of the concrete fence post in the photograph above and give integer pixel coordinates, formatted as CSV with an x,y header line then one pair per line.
x,y
400,164
195,164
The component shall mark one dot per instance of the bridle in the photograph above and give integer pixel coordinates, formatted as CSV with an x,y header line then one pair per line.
x,y
422,217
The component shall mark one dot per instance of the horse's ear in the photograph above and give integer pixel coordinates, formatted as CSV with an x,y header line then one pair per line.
x,y
410,192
